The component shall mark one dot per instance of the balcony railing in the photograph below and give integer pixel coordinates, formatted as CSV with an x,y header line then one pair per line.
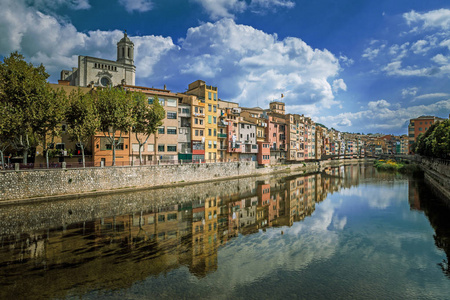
x,y
222,135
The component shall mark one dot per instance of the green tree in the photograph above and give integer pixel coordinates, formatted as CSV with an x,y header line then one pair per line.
x,y
82,119
7,126
435,142
147,119
22,86
115,111
49,113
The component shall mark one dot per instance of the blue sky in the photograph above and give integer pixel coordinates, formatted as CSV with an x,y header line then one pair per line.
x,y
357,66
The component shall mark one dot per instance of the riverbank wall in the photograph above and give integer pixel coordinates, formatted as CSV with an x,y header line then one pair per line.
x,y
436,173
23,185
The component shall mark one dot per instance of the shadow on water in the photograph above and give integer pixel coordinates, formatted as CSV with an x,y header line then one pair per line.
x,y
426,199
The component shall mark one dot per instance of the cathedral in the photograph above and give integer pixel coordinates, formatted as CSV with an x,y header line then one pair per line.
x,y
94,71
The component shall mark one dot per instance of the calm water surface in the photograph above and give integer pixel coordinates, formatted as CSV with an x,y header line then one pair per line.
x,y
347,233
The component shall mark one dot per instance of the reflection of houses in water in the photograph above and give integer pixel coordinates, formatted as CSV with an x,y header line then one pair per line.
x,y
155,240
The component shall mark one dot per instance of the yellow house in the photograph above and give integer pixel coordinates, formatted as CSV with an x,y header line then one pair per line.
x,y
208,95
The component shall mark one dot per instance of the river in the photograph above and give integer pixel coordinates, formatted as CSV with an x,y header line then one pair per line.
x,y
346,233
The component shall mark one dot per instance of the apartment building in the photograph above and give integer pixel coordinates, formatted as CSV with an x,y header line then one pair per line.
x,y
208,95
164,144
419,126
196,126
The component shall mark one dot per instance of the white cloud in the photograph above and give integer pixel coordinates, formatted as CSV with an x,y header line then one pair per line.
x,y
217,9
378,105
262,6
222,8
419,47
440,59
52,4
246,59
433,19
432,96
339,84
409,92
136,5
382,116
395,68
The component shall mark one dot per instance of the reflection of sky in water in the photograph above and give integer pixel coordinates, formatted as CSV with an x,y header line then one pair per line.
x,y
363,242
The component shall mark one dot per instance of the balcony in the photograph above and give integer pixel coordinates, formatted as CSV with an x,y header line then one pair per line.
x,y
222,135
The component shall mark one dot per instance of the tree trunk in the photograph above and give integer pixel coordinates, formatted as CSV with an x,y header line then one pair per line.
x,y
25,156
156,148
113,144
46,158
3,159
82,154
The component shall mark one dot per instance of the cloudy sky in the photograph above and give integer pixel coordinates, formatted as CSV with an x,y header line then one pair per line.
x,y
355,65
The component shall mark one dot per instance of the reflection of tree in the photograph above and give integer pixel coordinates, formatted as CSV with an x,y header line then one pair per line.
x,y
438,213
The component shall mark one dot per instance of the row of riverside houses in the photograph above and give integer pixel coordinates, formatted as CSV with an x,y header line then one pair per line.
x,y
199,126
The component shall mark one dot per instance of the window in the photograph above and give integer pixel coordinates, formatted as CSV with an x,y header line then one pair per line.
x,y
196,109
171,130
215,132
215,108
172,102
161,130
209,144
209,132
150,147
186,110
215,120
209,107
171,115
215,97
161,147
171,148
195,121
150,100
196,132
201,121
209,119
209,95
215,144
161,218
201,132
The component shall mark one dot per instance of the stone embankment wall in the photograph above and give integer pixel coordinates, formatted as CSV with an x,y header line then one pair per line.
x,y
436,173
26,184
42,183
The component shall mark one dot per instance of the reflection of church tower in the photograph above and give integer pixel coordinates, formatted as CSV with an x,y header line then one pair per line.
x,y
125,50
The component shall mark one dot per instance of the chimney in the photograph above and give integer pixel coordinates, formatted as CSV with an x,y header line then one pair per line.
x,y
164,87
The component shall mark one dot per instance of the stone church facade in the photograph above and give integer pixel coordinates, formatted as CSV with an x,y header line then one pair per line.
x,y
94,71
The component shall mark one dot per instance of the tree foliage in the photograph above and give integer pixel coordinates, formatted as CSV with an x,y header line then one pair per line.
x,y
435,142
115,111
23,88
147,119
82,119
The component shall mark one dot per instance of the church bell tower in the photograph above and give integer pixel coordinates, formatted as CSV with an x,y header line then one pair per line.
x,y
125,50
